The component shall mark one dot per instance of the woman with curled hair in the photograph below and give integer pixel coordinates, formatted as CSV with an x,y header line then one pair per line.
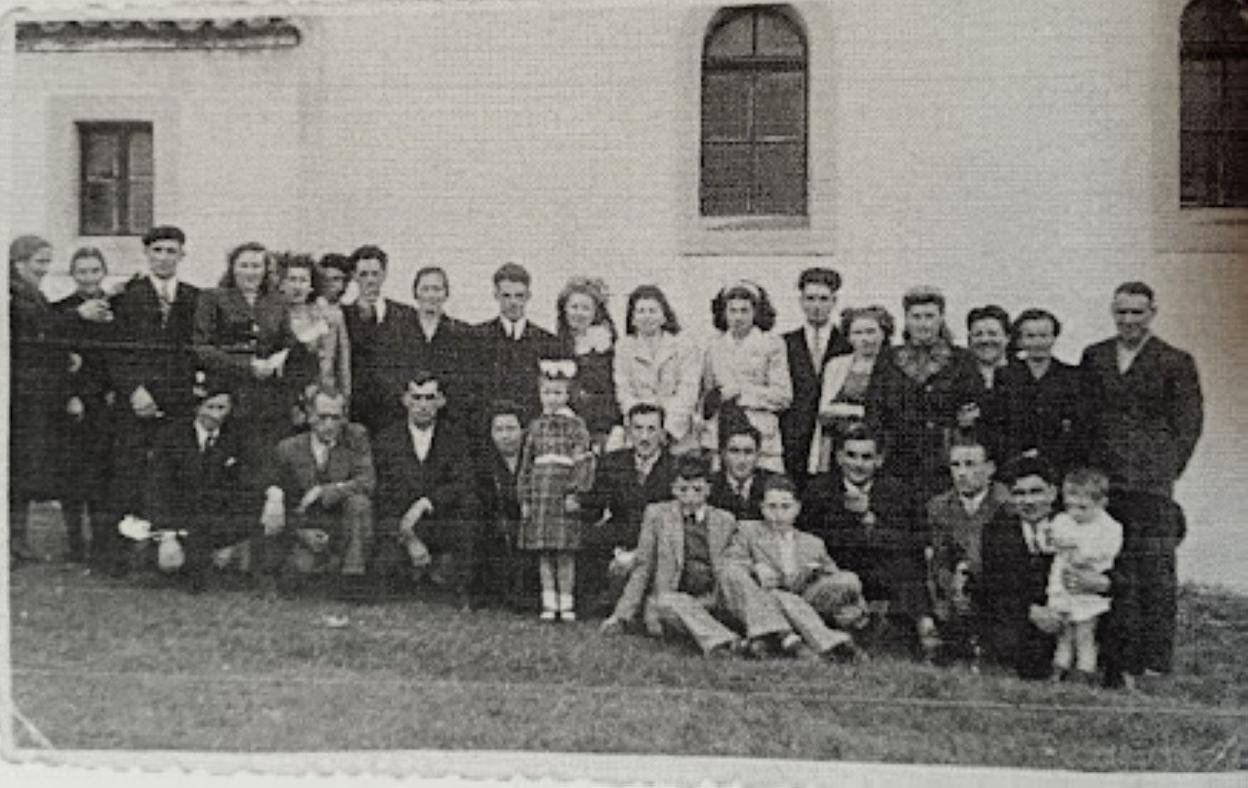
x,y
747,370
847,379
656,365
585,328
317,324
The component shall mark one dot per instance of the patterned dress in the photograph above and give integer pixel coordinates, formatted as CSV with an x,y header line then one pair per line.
x,y
555,463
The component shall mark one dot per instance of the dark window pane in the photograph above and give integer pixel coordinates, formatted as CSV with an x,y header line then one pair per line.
x,y
99,208
781,179
777,36
1235,171
140,153
726,179
1201,22
726,106
140,205
1199,94
1198,173
780,106
733,39
103,155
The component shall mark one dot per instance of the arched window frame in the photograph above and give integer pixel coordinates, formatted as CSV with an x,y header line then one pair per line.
x,y
754,196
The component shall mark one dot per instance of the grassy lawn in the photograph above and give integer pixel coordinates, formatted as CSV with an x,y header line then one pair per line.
x,y
98,663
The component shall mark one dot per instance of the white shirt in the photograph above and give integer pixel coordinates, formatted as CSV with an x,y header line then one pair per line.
x,y
203,436
861,489
971,504
513,330
645,466
320,450
1126,355
421,440
788,553
379,308
817,340
166,289
1032,536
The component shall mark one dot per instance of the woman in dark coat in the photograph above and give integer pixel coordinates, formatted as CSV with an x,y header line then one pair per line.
x,y
39,372
243,336
88,433
931,389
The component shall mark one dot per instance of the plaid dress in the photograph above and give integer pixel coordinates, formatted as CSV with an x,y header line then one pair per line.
x,y
556,462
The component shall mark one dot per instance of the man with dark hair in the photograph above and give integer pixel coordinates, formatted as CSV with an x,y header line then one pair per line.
x,y
809,347
443,345
626,481
1149,413
318,509
871,526
955,523
152,370
383,333
509,346
738,486
425,491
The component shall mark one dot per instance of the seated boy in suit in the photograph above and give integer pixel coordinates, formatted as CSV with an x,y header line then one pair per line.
x,y
800,578
678,582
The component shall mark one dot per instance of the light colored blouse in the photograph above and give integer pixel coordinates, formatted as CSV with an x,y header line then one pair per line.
x,y
669,377
754,370
321,327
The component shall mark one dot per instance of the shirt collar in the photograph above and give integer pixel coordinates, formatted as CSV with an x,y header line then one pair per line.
x,y
699,516
850,487
318,443
513,329
646,465
168,287
202,434
973,502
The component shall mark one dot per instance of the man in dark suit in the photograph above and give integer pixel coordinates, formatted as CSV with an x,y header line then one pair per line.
x,y
1014,573
626,481
318,508
443,345
200,484
809,348
872,527
1149,414
153,373
383,336
509,346
425,490
738,485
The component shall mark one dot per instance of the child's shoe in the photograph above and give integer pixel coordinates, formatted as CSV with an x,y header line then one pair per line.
x,y
549,605
567,610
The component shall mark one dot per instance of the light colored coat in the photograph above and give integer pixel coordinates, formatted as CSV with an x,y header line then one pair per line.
x,y
755,370
669,377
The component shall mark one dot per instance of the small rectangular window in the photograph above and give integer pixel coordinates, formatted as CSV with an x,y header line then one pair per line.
x,y
116,178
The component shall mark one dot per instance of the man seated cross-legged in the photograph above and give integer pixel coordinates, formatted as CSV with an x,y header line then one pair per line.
x,y
800,579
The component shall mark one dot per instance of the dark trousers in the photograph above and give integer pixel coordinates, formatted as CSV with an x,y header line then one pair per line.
x,y
1016,642
503,573
127,492
458,534
1138,633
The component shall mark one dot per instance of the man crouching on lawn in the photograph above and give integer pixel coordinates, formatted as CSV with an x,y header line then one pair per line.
x,y
317,510
801,581
681,555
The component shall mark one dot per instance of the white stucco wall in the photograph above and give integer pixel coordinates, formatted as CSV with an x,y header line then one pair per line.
x,y
1011,151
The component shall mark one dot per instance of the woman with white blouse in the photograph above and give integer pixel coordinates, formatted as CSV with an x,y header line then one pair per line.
x,y
657,366
747,370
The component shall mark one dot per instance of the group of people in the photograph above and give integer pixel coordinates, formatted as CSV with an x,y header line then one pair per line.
x,y
767,493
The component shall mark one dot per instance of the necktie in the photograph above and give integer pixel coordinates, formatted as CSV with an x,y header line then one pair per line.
x,y
166,302
210,440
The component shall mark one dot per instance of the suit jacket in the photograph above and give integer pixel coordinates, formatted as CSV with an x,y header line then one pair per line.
x,y
1012,579
449,355
1149,419
885,551
955,535
1050,414
507,368
618,490
445,476
797,424
92,342
211,493
383,356
724,497
155,353
661,555
349,470
757,543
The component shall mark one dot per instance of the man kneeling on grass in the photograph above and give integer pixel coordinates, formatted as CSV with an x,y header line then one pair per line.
x,y
801,581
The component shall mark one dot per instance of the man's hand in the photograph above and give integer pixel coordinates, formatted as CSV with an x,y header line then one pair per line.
x,y
571,503
75,408
407,524
314,539
311,497
142,404
75,362
611,626
261,369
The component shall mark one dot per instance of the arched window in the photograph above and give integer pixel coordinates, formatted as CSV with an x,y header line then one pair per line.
x,y
754,114
1214,104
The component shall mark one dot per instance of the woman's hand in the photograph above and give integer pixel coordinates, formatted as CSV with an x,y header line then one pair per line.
x,y
261,369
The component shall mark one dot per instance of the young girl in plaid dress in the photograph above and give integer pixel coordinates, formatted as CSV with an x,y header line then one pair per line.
x,y
556,465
